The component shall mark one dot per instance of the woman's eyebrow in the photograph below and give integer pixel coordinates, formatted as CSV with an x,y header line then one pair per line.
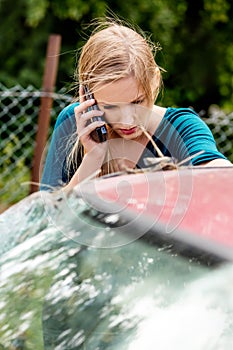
x,y
106,105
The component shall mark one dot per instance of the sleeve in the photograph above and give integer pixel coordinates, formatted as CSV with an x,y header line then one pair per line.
x,y
189,135
62,141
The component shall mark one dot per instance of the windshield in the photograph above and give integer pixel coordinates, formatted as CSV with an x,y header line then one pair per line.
x,y
59,293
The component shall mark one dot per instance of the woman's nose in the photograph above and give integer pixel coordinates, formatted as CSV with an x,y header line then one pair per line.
x,y
128,116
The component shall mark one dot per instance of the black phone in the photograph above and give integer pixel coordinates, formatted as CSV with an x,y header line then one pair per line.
x,y
99,134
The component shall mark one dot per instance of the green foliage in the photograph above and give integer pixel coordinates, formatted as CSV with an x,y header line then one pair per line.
x,y
196,37
35,11
217,10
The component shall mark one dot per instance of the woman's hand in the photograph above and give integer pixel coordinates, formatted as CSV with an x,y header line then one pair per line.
x,y
84,129
94,152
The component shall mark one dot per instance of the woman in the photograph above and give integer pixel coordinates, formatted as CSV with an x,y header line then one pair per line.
x,y
118,67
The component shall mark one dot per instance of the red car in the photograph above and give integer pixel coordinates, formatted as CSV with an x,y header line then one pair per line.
x,y
134,261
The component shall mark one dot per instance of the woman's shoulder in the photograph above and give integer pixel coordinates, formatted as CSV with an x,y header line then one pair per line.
x,y
180,112
180,118
66,113
169,112
177,117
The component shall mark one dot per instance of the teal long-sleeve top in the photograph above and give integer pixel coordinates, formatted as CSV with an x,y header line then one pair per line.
x,y
180,134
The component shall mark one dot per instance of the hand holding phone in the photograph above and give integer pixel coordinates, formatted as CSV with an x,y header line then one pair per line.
x,y
99,134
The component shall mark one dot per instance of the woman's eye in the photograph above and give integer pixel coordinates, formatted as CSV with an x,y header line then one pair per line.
x,y
109,106
139,102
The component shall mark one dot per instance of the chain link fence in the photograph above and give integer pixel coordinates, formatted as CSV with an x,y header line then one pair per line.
x,y
18,125
221,126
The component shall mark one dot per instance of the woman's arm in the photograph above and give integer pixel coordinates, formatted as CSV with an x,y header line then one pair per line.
x,y
90,165
72,126
186,134
94,152
218,163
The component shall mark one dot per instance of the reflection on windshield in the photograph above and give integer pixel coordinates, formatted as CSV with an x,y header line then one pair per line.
x,y
56,293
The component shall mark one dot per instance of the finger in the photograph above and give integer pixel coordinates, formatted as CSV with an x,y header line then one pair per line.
x,y
89,128
83,118
82,107
81,94
91,114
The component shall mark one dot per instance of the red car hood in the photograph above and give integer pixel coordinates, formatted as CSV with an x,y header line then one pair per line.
x,y
196,200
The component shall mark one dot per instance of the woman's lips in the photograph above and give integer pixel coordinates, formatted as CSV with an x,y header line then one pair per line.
x,y
128,131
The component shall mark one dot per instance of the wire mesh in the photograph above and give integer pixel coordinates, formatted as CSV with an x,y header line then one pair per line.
x,y
221,125
18,125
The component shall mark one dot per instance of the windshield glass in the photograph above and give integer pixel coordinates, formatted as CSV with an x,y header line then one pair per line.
x,y
58,293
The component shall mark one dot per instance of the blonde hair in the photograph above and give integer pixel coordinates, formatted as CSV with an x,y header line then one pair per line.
x,y
114,51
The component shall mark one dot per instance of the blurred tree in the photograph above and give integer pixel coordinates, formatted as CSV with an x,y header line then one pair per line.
x,y
201,72
196,37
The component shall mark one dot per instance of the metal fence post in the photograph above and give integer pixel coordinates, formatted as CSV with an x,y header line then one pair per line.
x,y
49,79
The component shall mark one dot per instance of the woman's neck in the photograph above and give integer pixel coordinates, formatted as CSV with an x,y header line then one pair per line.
x,y
155,119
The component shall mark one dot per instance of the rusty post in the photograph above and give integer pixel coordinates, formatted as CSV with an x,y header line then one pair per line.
x,y
49,80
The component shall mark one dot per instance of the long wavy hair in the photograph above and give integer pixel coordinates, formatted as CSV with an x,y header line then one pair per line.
x,y
115,50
